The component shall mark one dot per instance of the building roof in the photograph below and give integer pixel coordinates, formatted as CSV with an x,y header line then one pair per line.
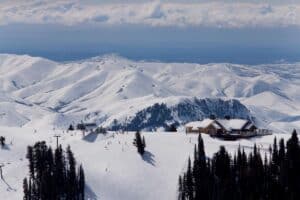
x,y
232,124
227,124
200,124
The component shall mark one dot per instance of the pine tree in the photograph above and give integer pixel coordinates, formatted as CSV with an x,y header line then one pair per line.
x,y
201,151
171,128
222,162
71,127
275,155
51,177
30,190
59,172
29,156
71,174
2,141
180,189
281,152
293,155
282,179
189,182
144,142
244,177
138,142
196,173
201,172
184,187
81,183
25,189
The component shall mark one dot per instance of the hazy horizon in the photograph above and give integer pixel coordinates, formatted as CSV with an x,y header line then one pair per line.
x,y
245,32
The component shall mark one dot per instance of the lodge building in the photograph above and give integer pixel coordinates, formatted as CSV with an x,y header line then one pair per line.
x,y
231,128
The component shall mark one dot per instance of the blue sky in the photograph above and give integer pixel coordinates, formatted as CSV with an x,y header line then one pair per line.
x,y
174,31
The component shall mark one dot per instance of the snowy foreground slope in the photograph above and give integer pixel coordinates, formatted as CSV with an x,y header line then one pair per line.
x,y
39,92
114,170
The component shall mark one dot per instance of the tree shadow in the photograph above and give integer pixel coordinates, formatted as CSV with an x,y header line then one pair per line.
x,y
90,137
5,147
90,194
149,158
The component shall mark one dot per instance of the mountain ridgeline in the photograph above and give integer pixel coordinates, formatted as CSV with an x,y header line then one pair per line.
x,y
36,92
162,115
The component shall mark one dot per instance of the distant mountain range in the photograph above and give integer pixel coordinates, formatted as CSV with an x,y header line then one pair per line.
x,y
38,92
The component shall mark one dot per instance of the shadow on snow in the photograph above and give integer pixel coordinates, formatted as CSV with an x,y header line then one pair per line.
x,y
91,137
149,158
90,194
9,188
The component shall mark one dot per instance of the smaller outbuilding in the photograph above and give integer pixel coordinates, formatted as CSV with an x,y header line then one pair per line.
x,y
204,126
89,127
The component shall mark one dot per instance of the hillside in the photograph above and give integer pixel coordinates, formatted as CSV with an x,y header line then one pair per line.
x,y
105,88
113,168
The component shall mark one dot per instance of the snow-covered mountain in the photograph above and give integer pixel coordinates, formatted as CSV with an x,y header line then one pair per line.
x,y
38,92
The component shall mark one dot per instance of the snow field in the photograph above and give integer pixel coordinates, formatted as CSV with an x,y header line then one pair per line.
x,y
114,170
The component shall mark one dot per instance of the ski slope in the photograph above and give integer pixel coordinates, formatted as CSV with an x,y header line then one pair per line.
x,y
114,170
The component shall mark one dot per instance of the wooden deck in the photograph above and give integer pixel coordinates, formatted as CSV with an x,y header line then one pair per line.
x,y
242,134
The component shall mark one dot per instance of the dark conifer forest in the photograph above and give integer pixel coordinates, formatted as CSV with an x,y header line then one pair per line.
x,y
53,175
243,176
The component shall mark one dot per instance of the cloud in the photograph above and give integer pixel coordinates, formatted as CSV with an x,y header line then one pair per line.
x,y
165,13
266,9
100,18
157,12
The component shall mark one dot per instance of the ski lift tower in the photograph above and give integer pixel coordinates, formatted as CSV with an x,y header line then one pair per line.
x,y
57,136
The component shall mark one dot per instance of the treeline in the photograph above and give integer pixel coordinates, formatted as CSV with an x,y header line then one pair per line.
x,y
244,176
53,175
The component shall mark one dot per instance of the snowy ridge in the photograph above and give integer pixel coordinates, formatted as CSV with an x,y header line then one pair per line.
x,y
162,115
110,87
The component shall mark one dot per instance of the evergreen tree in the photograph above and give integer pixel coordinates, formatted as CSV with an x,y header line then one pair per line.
x,y
71,175
244,177
275,155
222,162
184,187
81,183
29,194
29,156
293,173
171,128
2,141
281,152
201,176
71,127
180,189
189,182
25,189
59,171
51,177
138,142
